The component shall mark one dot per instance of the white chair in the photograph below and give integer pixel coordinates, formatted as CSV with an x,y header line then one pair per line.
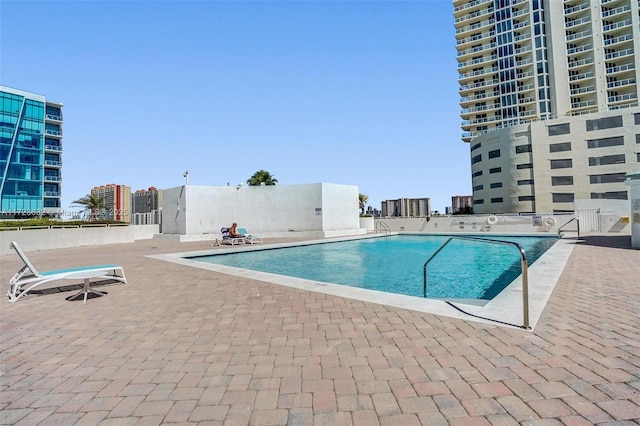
x,y
249,239
28,277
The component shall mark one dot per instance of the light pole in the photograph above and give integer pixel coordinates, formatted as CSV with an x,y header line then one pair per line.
x,y
186,177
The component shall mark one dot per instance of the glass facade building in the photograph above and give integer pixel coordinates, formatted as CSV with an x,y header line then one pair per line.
x,y
30,154
549,100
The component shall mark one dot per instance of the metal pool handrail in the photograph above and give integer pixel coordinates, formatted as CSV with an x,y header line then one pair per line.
x,y
525,278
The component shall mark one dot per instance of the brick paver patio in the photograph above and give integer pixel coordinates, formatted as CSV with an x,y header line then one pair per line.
x,y
181,345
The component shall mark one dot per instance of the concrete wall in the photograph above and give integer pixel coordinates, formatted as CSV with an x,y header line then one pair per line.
x,y
269,211
45,239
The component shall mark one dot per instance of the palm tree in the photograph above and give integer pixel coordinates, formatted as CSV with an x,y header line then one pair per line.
x,y
362,199
260,177
91,203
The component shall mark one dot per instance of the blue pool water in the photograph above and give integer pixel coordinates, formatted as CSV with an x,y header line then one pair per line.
x,y
394,264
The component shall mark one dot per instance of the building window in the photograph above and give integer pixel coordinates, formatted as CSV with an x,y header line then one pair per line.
x,y
478,187
476,146
476,159
495,170
562,197
637,138
525,182
636,118
560,147
607,159
561,180
496,200
478,201
607,178
526,198
496,185
523,148
565,163
638,157
612,195
604,123
524,166
559,129
478,173
494,154
605,142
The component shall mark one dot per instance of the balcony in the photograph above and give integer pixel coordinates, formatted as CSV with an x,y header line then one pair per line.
x,y
52,163
471,5
474,15
473,86
476,38
573,64
619,39
51,194
621,83
617,25
54,117
55,133
50,178
619,69
579,49
477,61
478,73
581,90
479,49
585,104
622,98
474,27
616,11
619,54
583,76
577,22
54,148
575,9
578,36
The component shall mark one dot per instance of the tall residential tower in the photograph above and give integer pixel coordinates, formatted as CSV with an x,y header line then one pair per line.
x,y
30,154
549,98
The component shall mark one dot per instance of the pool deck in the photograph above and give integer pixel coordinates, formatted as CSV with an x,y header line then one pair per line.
x,y
184,345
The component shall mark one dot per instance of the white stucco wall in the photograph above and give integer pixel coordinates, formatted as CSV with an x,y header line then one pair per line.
x,y
262,210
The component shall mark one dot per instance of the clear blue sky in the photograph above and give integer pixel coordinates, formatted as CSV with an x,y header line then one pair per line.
x,y
360,93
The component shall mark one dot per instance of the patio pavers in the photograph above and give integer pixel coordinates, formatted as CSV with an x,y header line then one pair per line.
x,y
186,345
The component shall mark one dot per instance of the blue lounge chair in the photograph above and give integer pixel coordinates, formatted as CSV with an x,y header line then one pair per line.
x,y
249,239
228,239
28,277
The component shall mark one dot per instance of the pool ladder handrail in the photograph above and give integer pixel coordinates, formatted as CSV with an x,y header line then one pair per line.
x,y
570,230
383,227
523,264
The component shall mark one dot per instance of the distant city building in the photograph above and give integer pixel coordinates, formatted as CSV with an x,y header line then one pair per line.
x,y
407,207
373,212
147,205
117,201
461,204
549,100
30,154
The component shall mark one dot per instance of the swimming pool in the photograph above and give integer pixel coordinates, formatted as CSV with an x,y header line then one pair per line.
x,y
394,264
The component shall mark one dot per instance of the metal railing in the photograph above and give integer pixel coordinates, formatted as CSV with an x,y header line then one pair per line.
x,y
577,223
382,227
524,267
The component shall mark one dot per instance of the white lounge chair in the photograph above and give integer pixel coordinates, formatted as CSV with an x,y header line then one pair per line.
x,y
228,239
28,277
249,239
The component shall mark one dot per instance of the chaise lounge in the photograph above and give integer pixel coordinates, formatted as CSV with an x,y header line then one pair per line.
x,y
28,277
248,238
228,239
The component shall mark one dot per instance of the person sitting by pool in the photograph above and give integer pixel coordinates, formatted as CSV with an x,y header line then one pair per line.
x,y
233,231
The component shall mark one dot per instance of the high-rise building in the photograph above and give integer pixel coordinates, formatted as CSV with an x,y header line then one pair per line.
x,y
407,207
549,98
117,202
461,204
147,206
30,154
